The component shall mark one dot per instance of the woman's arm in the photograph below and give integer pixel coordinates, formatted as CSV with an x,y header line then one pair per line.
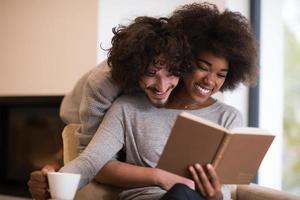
x,y
125,175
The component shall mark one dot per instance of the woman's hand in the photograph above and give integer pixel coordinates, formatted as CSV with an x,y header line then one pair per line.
x,y
166,180
206,181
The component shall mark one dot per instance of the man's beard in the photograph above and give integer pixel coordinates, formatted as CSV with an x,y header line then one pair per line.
x,y
159,104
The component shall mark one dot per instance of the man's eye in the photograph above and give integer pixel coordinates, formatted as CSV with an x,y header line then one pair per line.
x,y
176,73
170,74
159,62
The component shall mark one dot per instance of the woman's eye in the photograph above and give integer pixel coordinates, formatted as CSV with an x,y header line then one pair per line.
x,y
222,75
201,67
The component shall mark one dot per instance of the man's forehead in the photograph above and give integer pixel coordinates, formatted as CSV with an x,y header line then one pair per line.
x,y
157,68
159,63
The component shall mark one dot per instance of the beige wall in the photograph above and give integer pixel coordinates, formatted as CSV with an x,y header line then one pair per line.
x,y
45,45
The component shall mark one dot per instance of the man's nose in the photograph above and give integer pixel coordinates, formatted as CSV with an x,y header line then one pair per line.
x,y
162,83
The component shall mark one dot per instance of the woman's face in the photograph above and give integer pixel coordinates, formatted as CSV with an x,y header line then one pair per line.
x,y
207,78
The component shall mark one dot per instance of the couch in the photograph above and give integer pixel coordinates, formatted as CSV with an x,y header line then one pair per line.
x,y
105,192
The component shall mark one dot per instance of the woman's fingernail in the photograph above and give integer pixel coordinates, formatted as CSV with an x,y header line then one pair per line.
x,y
198,166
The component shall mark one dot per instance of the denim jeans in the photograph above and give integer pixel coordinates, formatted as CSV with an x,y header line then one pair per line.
x,y
182,192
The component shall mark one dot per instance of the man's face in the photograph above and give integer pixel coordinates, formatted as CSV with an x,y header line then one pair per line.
x,y
158,83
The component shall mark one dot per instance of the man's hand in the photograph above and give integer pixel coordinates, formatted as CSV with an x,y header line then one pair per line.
x,y
166,180
207,182
38,183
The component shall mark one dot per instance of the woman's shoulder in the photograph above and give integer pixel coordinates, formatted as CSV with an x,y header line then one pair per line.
x,y
228,116
223,107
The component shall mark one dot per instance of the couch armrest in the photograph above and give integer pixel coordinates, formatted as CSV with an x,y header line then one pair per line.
x,y
70,142
256,192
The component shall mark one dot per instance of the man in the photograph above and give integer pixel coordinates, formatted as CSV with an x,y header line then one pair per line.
x,y
148,55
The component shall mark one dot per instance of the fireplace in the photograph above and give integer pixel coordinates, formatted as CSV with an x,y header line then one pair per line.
x,y
30,137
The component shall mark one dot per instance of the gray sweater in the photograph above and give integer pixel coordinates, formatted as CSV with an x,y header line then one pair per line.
x,y
87,103
142,130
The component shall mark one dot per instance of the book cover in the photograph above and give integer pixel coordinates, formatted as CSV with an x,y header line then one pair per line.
x,y
236,154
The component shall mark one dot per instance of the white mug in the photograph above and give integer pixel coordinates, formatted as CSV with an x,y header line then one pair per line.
x,y
63,186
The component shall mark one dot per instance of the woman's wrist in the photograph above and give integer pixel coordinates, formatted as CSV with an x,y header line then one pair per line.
x,y
218,196
156,176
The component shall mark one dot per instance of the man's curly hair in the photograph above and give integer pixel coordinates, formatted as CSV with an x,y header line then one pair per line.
x,y
136,46
226,34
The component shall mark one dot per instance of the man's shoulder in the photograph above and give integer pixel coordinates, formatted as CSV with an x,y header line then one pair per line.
x,y
130,102
133,98
100,80
102,70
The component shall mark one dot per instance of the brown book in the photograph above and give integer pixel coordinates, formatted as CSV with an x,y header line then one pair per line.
x,y
236,154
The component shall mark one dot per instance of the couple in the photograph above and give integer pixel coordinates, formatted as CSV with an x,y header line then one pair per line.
x,y
163,73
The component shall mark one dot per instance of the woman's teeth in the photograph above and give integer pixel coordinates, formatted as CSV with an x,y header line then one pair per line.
x,y
202,90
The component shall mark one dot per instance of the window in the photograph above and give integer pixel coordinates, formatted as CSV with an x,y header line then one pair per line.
x,y
280,92
291,137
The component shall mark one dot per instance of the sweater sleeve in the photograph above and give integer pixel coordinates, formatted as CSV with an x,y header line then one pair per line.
x,y
69,108
99,92
88,101
108,141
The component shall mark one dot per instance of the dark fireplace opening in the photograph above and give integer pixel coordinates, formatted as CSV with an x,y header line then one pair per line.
x,y
30,137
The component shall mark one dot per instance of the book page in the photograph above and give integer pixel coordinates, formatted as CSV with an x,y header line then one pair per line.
x,y
203,121
249,130
241,158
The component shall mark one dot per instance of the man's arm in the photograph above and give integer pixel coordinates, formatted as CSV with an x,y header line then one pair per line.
x,y
99,93
69,108
125,175
88,102
106,143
